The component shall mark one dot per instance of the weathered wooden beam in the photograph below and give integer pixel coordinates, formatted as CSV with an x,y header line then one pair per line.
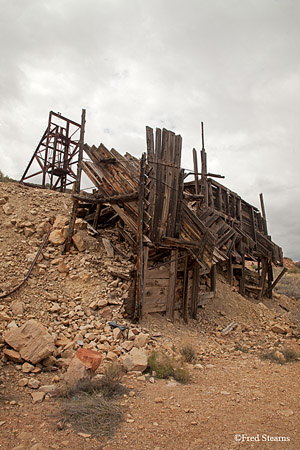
x,y
284,270
197,190
172,285
122,198
140,245
263,213
213,278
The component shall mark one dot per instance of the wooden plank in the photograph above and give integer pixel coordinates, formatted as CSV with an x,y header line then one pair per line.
x,y
195,289
184,308
108,247
172,285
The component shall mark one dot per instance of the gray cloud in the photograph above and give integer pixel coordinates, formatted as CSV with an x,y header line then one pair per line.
x,y
234,65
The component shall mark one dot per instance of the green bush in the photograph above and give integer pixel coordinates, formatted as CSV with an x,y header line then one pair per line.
x,y
161,365
165,367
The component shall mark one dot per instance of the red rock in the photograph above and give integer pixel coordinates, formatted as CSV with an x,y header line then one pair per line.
x,y
82,366
90,358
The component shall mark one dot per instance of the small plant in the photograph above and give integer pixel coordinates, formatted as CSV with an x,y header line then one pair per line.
x,y
188,353
282,356
109,385
290,354
241,348
161,365
181,374
274,356
164,367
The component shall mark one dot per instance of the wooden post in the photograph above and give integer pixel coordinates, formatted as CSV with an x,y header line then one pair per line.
x,y
284,270
242,282
185,289
270,280
230,270
68,241
263,213
262,279
97,215
213,278
172,285
196,171
203,168
195,289
140,247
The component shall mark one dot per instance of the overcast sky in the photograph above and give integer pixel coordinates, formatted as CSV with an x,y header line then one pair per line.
x,y
233,64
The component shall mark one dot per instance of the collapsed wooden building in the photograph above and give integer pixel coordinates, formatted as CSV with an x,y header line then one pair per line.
x,y
180,231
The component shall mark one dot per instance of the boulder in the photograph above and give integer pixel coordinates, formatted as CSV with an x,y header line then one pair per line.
x,y
60,221
141,340
17,307
8,209
37,397
83,366
278,329
63,268
12,355
136,360
32,341
79,241
57,237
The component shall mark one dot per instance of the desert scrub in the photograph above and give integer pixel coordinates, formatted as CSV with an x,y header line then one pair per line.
x,y
165,367
109,385
90,406
282,356
91,414
188,353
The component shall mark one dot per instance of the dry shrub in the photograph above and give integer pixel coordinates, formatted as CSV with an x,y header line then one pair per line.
x,y
282,356
89,406
91,414
165,367
181,374
188,353
109,385
290,354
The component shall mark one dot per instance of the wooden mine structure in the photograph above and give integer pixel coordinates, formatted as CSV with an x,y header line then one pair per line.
x,y
55,160
180,231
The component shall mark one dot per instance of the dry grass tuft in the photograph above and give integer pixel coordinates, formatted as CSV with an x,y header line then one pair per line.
x,y
91,414
109,385
90,405
188,353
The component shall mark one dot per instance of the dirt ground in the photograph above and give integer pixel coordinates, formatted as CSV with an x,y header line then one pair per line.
x,y
235,398
230,398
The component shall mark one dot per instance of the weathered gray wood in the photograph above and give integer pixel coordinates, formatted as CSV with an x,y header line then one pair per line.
x,y
108,247
172,285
